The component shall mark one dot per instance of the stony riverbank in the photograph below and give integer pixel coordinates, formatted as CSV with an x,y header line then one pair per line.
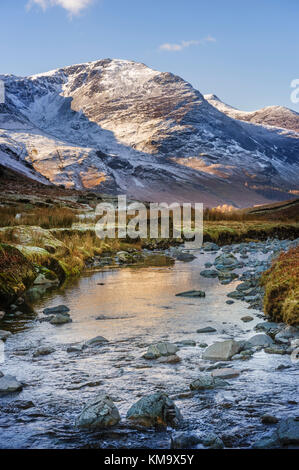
x,y
229,380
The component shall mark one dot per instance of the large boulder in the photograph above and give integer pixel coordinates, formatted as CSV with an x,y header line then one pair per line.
x,y
205,382
155,410
160,349
27,235
99,413
222,350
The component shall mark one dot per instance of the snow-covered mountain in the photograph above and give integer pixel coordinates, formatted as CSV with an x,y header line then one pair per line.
x,y
119,126
277,116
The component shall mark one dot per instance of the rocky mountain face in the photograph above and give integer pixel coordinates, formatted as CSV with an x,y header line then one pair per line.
x,y
275,116
119,126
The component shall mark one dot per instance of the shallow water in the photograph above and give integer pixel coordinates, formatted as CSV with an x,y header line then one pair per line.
x,y
143,309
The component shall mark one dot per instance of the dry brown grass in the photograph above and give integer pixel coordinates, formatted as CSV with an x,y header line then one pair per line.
x,y
45,217
281,282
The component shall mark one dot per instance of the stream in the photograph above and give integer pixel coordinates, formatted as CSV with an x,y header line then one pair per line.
x,y
135,307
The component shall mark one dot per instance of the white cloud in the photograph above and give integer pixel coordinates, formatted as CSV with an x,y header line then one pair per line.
x,y
184,44
73,7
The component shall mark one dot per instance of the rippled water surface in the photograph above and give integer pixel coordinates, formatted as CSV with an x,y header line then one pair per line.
x,y
138,307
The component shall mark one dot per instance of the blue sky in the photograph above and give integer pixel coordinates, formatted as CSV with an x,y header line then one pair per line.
x,y
245,51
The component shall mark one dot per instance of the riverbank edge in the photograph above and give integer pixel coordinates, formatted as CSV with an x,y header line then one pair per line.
x,y
20,264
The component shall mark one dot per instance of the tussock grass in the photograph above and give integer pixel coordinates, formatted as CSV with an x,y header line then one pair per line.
x,y
45,217
281,283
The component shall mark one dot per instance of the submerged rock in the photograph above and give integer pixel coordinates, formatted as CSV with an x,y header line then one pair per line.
x,y
207,329
206,382
288,431
9,384
4,335
269,419
160,349
187,440
259,340
173,359
56,310
247,318
210,246
186,257
99,413
94,342
225,373
222,351
60,319
155,410
192,293
209,273
43,351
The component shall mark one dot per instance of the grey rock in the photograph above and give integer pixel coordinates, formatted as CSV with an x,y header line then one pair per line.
x,y
186,257
270,441
225,373
288,431
160,349
173,359
247,318
43,351
186,342
286,334
192,293
269,419
60,319
94,342
55,310
9,384
184,440
75,348
213,441
210,246
261,339
275,350
99,413
206,382
207,329
155,410
209,273
4,335
222,351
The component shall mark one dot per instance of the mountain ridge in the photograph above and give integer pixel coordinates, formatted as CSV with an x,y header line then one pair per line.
x,y
120,126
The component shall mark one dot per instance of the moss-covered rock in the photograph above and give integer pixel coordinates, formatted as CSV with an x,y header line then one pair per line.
x,y
33,236
42,259
281,282
17,274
